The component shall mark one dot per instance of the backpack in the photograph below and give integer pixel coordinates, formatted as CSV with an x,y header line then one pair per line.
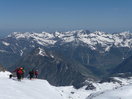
x,y
36,73
19,71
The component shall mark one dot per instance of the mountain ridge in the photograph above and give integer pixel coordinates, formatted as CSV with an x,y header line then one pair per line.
x,y
55,68
85,53
91,39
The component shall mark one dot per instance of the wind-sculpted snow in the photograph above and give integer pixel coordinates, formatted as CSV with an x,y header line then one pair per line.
x,y
105,40
124,92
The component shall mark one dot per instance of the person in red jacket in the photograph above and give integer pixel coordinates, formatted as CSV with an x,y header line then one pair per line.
x,y
36,73
19,73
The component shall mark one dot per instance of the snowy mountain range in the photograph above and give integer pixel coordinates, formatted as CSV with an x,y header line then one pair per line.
x,y
78,59
93,40
77,55
19,43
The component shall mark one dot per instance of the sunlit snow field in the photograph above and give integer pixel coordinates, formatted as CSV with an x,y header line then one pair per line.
x,y
41,89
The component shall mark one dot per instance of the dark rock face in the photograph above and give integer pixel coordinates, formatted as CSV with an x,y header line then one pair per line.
x,y
99,63
125,68
90,87
109,79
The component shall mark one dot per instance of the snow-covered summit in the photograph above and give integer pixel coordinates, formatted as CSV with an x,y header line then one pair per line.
x,y
43,38
42,52
92,40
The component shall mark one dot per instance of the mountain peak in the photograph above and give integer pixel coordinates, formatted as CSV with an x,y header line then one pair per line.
x,y
99,33
91,39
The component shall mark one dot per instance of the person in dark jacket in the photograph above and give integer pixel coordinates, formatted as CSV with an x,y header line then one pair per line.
x,y
31,74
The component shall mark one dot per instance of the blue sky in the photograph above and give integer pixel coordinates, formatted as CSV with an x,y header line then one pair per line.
x,y
63,15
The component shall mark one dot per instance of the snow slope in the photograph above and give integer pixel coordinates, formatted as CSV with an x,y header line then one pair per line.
x,y
124,92
26,89
36,89
120,92
41,89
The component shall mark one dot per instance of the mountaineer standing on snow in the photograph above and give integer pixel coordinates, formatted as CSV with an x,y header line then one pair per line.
x,y
19,73
23,70
36,73
31,74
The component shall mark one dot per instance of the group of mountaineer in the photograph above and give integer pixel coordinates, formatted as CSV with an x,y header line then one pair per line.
x,y
21,71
